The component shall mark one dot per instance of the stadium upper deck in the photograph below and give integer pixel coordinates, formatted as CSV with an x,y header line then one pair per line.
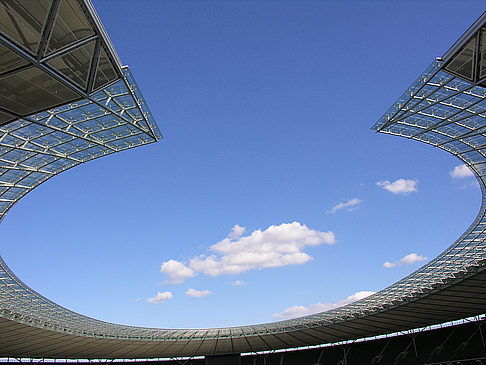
x,y
66,100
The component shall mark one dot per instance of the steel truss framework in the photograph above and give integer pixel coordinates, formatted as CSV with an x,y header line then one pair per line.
x,y
103,112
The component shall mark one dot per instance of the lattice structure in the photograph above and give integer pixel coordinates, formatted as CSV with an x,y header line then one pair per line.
x,y
52,52
102,111
37,147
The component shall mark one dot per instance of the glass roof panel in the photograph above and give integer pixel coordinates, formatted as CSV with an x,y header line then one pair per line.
x,y
482,60
10,60
23,21
32,90
6,118
463,62
105,72
71,25
75,65
147,114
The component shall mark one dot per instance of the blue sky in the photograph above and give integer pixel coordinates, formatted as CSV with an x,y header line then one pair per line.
x,y
266,109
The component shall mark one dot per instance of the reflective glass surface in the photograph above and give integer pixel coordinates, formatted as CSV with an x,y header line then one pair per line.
x,y
482,72
463,62
75,64
32,89
23,21
70,26
10,60
70,57
105,71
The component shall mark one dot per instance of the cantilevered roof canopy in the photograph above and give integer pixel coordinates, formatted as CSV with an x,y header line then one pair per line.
x,y
52,52
68,101
65,97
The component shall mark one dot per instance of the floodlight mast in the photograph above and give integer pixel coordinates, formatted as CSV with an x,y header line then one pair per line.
x,y
69,101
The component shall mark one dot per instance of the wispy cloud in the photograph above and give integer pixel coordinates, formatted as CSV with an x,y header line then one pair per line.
x,y
160,297
236,231
276,246
471,184
351,204
301,310
461,171
400,186
238,283
197,293
406,260
176,271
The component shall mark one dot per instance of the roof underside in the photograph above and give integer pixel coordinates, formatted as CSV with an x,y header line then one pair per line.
x,y
65,98
69,102
52,52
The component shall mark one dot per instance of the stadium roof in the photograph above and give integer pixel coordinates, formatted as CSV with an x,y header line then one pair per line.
x,y
65,97
68,101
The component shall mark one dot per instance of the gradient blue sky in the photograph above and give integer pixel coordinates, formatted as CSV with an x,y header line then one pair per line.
x,y
266,109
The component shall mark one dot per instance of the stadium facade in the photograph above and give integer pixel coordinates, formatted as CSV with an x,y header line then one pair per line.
x,y
67,100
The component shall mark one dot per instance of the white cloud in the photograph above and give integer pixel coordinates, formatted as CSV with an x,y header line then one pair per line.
x,y
238,283
300,310
137,300
176,271
406,260
351,204
400,186
236,232
274,247
197,293
160,297
461,171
